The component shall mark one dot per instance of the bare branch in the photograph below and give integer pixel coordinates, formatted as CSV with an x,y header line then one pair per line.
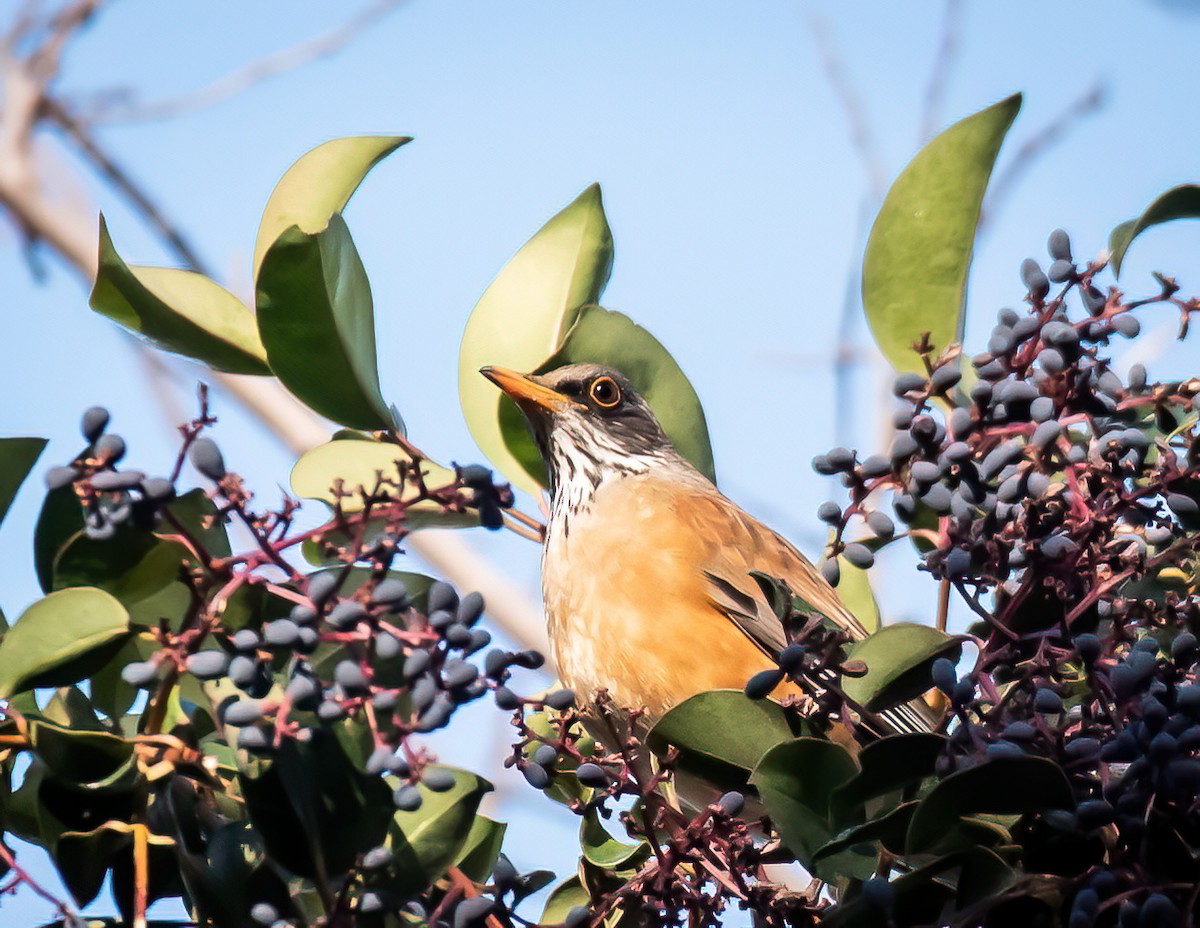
x,y
253,74
124,182
1087,104
43,61
947,52
851,103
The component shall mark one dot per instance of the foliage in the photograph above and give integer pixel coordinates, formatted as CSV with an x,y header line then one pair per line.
x,y
241,726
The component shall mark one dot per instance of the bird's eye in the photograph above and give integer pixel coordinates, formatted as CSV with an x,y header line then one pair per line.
x,y
605,392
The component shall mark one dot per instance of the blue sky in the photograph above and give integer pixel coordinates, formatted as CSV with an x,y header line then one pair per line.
x,y
730,181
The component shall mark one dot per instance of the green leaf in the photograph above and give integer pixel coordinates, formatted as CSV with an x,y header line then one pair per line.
x,y
566,896
91,761
721,735
84,857
481,848
357,465
602,336
603,850
429,840
17,457
200,517
796,780
888,764
854,589
53,638
898,659
139,570
317,321
914,277
1182,202
180,311
889,829
521,320
60,519
1004,785
319,184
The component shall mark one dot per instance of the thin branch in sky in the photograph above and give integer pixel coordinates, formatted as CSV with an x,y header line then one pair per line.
x,y
251,75
851,102
1087,104
949,43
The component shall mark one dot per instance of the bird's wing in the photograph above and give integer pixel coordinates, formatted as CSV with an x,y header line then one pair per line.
x,y
731,544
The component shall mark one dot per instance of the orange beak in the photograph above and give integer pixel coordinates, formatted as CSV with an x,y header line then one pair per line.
x,y
527,392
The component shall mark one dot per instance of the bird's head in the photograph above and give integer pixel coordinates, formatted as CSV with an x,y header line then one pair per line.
x,y
588,421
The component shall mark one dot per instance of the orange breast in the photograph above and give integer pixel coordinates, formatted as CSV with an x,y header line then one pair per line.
x,y
626,600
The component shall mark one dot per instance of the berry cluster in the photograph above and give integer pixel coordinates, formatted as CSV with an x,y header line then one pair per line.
x,y
1062,502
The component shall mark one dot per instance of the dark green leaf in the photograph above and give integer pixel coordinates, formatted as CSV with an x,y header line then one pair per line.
x,y
1182,202
139,570
320,184
603,850
481,848
59,521
721,735
198,514
914,277
180,311
898,659
1006,785
566,896
317,321
429,840
91,760
53,636
602,336
890,764
520,321
796,780
17,457
889,829
84,857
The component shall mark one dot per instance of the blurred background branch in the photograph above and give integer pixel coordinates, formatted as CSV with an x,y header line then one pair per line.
x,y
30,56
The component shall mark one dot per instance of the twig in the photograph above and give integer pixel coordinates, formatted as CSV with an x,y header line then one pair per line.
x,y
257,72
852,106
1091,101
23,878
947,52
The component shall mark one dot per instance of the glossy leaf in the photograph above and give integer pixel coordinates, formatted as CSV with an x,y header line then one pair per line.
x,y
83,859
914,277
429,840
317,322
898,659
140,571
888,829
602,849
17,457
357,465
602,336
60,519
521,320
52,640
567,895
94,761
481,848
890,764
1182,202
200,517
1005,785
318,185
796,780
721,735
179,311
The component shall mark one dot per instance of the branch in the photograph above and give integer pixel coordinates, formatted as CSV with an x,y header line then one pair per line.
x,y
947,52
1089,103
70,230
851,103
250,76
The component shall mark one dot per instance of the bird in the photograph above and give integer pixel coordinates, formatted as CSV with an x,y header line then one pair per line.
x,y
646,565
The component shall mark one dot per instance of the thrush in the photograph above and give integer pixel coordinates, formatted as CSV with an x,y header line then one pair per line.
x,y
646,566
